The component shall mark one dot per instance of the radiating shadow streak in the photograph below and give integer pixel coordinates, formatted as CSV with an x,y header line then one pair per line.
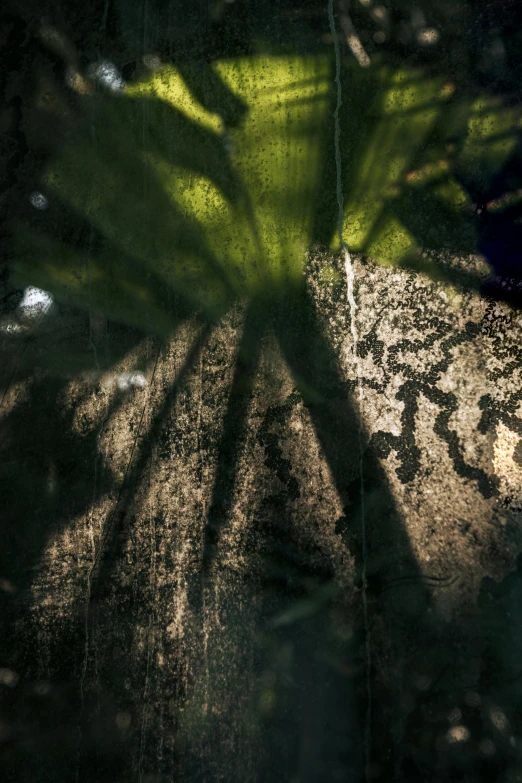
x,y
115,533
47,477
316,373
118,528
50,441
326,394
45,517
233,433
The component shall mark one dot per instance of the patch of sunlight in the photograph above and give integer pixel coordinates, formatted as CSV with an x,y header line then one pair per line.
x,y
390,240
35,302
392,207
329,275
428,36
492,136
15,394
278,151
506,467
126,381
167,84
38,200
10,326
107,74
458,734
406,109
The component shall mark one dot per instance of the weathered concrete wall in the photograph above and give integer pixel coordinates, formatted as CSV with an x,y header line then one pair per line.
x,y
128,663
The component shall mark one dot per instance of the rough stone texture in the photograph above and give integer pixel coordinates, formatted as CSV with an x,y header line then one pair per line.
x,y
123,661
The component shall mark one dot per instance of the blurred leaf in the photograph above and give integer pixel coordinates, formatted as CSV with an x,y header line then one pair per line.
x,y
158,183
190,207
405,194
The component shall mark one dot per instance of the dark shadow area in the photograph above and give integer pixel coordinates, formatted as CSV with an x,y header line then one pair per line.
x,y
49,471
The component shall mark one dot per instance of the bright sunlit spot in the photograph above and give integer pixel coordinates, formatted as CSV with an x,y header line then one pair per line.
x,y
38,200
106,74
126,381
35,302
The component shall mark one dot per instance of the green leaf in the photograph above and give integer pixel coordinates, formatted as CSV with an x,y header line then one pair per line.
x,y
209,213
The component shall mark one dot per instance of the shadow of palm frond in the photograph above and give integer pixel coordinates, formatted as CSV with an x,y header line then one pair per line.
x,y
175,205
234,423
118,526
371,527
49,470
